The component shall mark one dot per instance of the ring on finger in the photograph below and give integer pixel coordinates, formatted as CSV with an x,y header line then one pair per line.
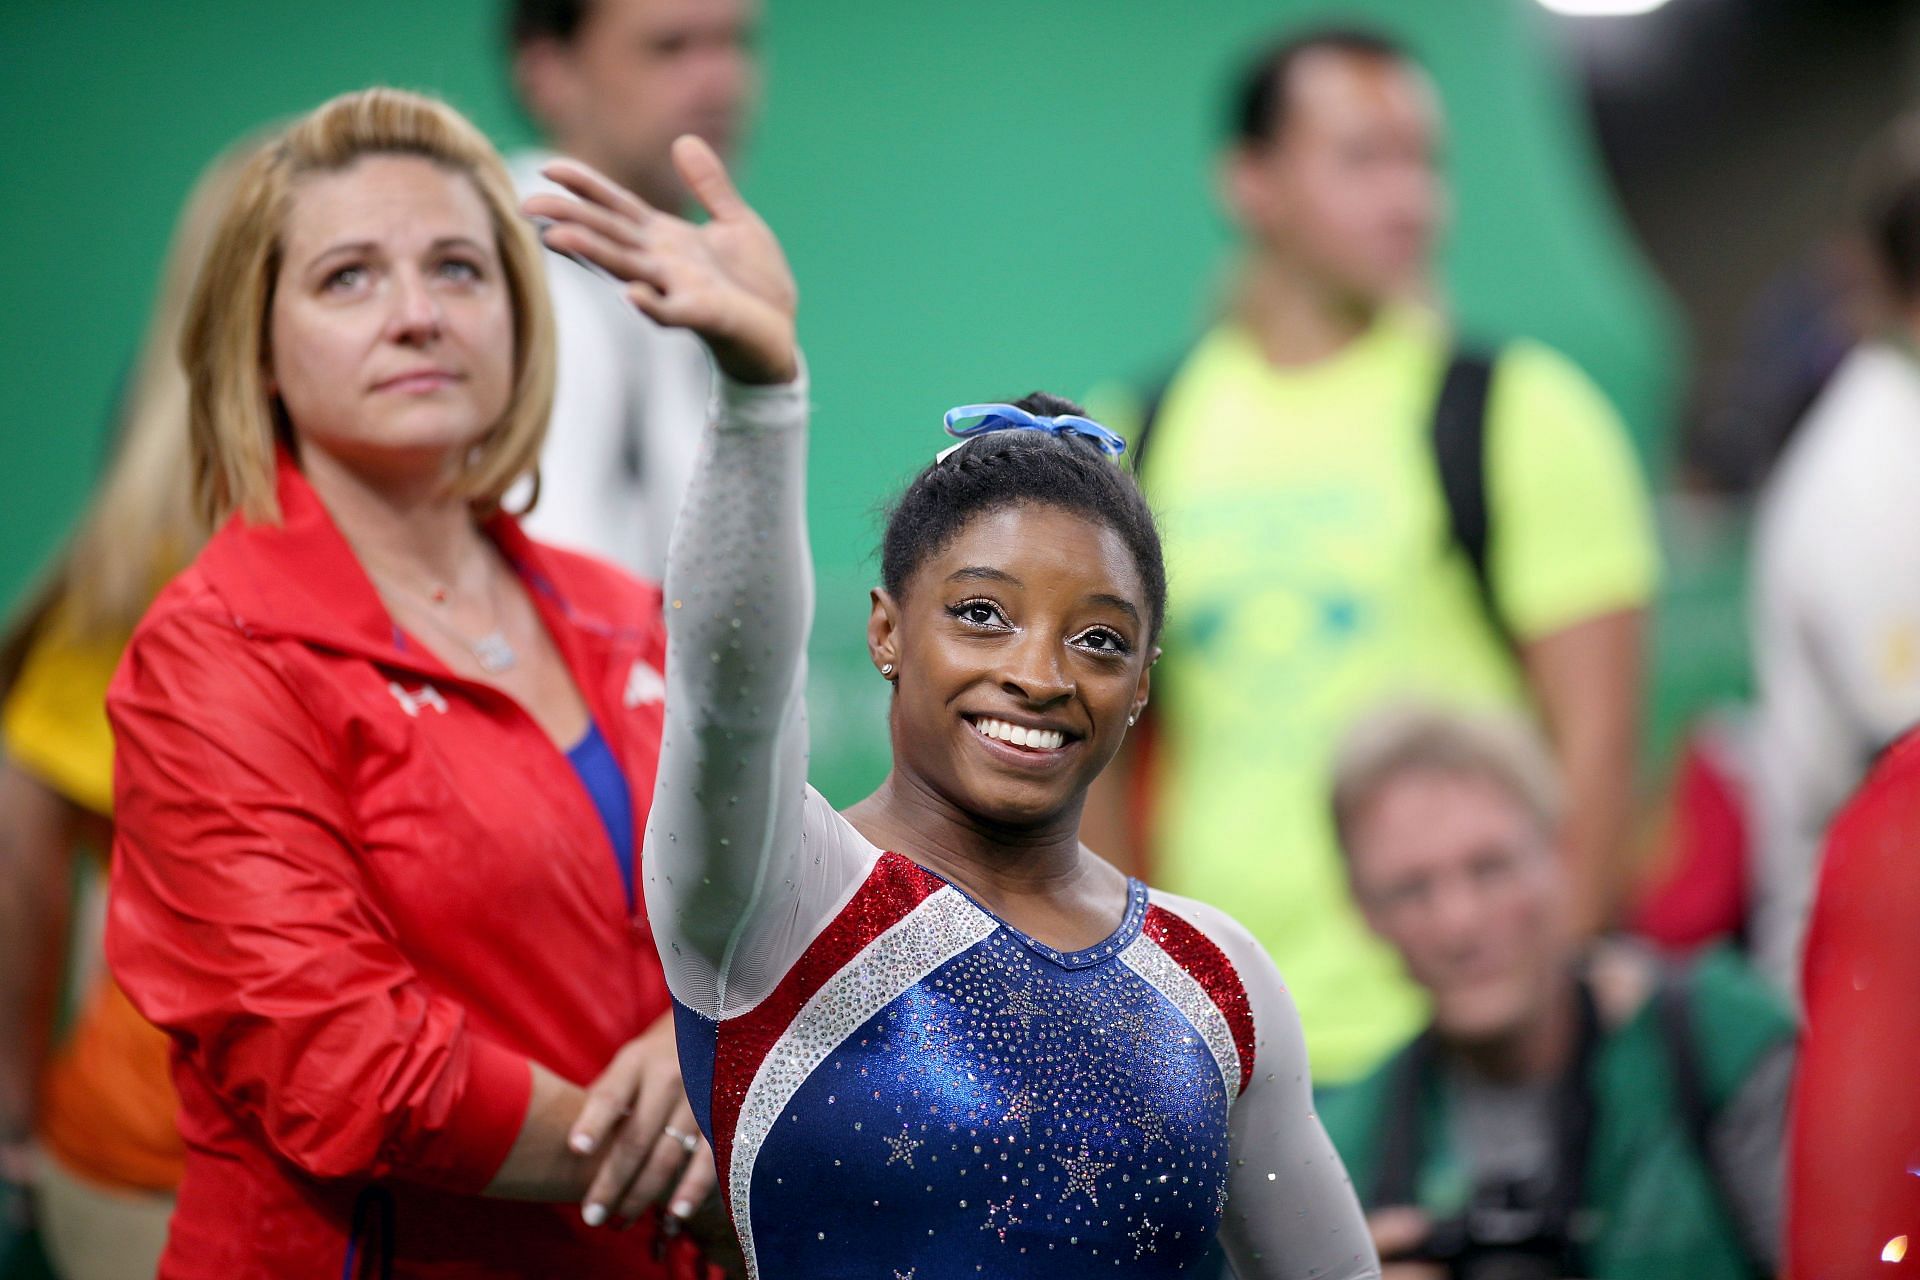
x,y
687,1141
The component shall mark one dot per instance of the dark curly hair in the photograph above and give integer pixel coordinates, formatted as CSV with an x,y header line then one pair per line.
x,y
1011,468
1261,104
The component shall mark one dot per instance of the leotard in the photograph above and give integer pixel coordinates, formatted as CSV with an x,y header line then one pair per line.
x,y
897,1084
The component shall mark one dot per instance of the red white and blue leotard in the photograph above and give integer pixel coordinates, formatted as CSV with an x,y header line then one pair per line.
x,y
895,1082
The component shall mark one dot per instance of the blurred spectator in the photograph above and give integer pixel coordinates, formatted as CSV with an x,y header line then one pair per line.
x,y
1566,1112
381,761
1854,1184
612,83
100,1108
1794,337
1338,528
1836,621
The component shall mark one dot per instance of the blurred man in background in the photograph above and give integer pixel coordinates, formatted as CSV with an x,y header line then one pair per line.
x,y
1338,527
1567,1112
1836,624
613,83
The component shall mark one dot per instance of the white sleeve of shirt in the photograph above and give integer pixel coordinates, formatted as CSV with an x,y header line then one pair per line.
x,y
1836,627
588,499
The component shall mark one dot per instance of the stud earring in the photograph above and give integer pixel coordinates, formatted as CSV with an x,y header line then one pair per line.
x,y
886,669
1130,720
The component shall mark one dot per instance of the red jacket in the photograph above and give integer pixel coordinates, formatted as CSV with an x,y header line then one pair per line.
x,y
362,893
1853,1181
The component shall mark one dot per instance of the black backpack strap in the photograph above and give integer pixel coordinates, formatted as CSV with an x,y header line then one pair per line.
x,y
1459,435
1673,1015
1672,1012
1401,1135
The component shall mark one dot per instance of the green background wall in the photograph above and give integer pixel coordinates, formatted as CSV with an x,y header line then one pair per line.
x,y
980,197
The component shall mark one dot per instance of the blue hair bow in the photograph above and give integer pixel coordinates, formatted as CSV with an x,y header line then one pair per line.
x,y
969,420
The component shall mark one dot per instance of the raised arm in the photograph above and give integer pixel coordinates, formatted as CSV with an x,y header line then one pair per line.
x,y
739,861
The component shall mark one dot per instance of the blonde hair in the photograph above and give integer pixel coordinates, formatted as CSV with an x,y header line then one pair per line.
x,y
1415,738
234,421
141,525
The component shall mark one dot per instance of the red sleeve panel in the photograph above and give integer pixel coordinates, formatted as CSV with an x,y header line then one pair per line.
x,y
240,923
1854,1178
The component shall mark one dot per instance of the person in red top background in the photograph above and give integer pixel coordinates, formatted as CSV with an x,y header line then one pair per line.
x,y
382,761
1853,1181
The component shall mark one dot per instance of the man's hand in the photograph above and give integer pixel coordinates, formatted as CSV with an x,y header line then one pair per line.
x,y
1397,1232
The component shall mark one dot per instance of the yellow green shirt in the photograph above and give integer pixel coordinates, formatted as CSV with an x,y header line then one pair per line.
x,y
1312,578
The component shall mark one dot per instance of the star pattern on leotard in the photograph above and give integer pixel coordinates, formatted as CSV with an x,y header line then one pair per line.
x,y
933,1033
1022,1007
1000,1216
1083,1174
1069,1103
1019,1108
901,1147
1152,1126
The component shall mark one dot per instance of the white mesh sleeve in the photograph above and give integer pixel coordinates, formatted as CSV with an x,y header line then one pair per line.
x,y
743,862
1291,1209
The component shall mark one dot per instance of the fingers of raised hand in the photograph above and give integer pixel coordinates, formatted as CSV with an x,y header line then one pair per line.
x,y
561,211
624,261
701,168
596,188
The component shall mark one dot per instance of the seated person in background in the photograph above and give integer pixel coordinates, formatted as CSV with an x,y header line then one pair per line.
x,y
1567,1112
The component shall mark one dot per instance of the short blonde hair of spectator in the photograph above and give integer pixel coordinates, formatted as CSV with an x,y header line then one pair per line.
x,y
1413,738
233,420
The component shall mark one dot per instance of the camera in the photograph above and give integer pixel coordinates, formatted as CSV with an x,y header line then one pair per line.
x,y
1506,1232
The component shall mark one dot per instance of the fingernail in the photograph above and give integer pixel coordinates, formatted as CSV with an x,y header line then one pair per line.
x,y
581,1142
682,1209
594,1214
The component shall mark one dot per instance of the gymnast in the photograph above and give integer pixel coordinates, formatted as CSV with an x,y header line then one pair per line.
x,y
935,1035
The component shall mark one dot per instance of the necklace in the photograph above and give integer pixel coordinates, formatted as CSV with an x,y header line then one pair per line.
x,y
493,651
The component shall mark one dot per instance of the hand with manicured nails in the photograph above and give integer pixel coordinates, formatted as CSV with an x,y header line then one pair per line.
x,y
626,1121
727,280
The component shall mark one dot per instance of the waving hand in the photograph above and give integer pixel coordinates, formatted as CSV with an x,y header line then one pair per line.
x,y
727,280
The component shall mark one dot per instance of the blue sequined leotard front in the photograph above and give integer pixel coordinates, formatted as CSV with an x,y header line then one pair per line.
x,y
934,1094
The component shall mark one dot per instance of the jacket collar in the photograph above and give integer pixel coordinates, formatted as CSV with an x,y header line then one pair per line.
x,y
300,579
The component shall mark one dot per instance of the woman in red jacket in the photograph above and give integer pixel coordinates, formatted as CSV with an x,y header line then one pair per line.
x,y
383,761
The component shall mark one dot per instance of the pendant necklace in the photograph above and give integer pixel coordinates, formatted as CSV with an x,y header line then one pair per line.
x,y
493,651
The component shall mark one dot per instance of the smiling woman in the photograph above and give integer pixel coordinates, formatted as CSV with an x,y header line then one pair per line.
x,y
936,1036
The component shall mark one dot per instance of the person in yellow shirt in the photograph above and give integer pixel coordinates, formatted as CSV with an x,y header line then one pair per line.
x,y
1340,532
89,1121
